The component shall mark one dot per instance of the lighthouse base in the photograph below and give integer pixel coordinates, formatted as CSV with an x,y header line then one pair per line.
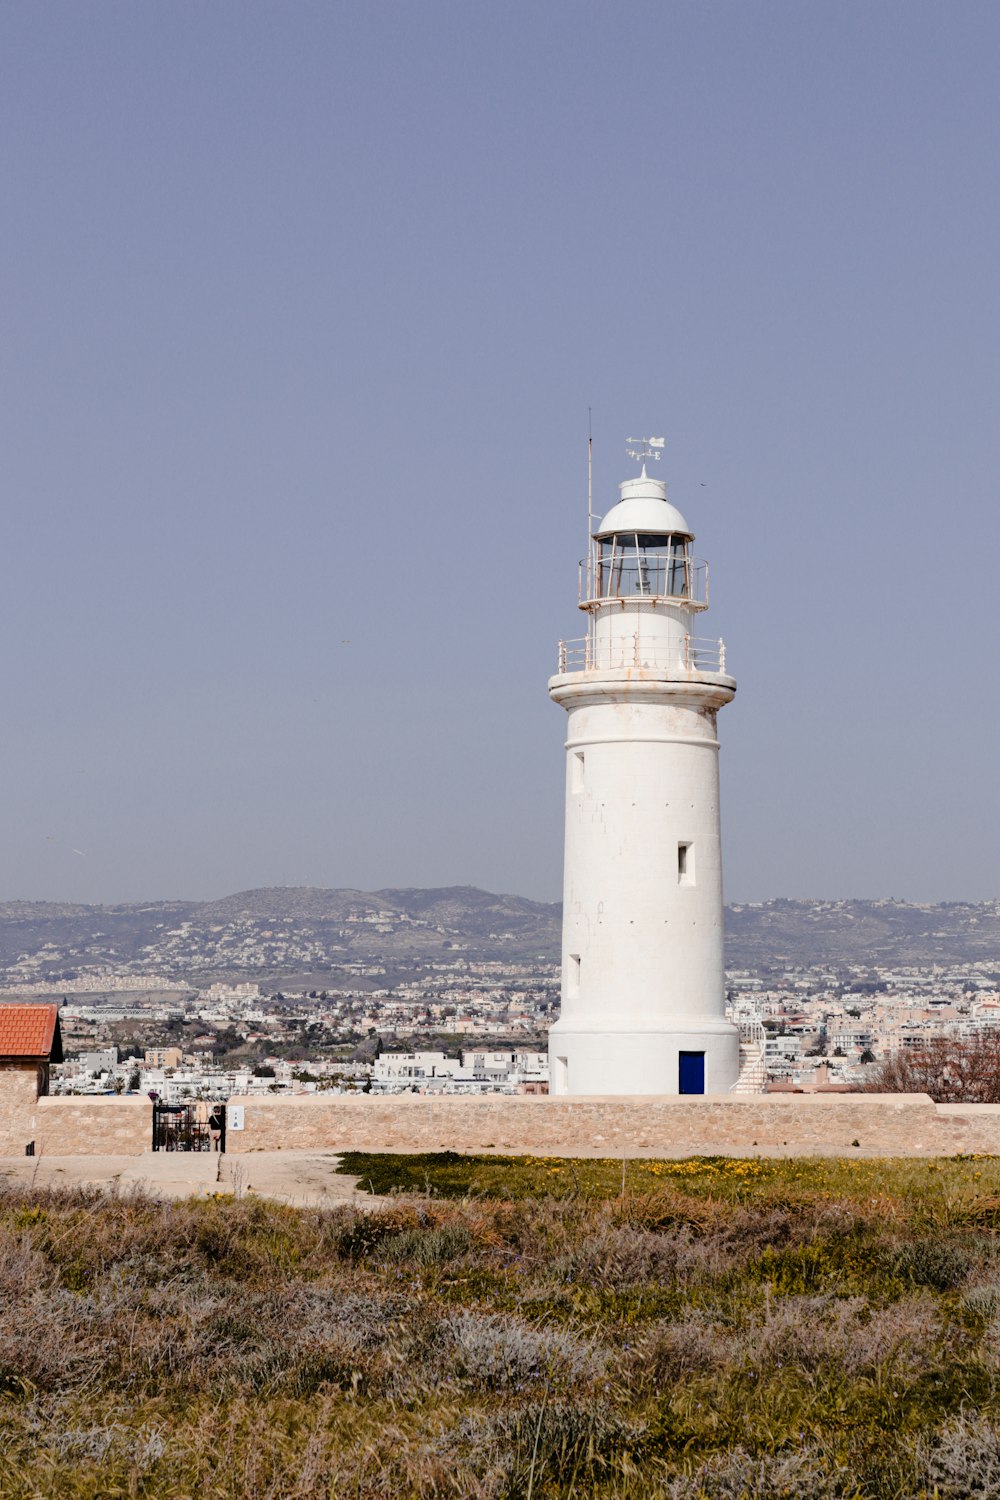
x,y
702,1060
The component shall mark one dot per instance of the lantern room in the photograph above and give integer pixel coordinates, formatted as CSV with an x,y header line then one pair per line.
x,y
640,585
642,551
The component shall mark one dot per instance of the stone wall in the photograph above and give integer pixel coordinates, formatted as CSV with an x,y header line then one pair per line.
x,y
18,1099
94,1125
775,1125
769,1125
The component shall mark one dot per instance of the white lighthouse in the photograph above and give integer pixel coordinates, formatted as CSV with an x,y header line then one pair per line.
x,y
643,994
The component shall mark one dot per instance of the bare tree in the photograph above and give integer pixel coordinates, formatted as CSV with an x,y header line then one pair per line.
x,y
953,1070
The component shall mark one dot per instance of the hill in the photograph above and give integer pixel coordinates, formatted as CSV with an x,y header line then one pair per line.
x,y
292,929
772,933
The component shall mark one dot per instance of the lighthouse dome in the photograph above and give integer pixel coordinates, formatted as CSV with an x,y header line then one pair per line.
x,y
644,507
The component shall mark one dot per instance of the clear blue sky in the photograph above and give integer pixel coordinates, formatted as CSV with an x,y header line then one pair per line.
x,y
303,307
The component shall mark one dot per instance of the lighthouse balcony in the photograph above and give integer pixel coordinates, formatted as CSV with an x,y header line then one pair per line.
x,y
689,657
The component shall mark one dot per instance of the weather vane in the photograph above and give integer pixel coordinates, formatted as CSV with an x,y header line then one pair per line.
x,y
645,448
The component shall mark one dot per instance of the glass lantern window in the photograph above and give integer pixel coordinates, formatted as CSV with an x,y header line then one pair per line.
x,y
634,564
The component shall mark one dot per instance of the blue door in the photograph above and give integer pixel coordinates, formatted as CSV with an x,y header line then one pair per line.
x,y
692,1072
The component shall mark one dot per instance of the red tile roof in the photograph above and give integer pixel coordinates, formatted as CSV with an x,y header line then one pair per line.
x,y
30,1031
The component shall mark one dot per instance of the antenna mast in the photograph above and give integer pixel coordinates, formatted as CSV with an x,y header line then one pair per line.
x,y
590,507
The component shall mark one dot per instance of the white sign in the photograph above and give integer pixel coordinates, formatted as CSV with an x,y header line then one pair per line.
x,y
234,1118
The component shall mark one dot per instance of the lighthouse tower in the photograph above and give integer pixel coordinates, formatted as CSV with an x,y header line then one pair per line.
x,y
643,994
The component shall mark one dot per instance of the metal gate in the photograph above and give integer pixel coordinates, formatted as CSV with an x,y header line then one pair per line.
x,y
200,1126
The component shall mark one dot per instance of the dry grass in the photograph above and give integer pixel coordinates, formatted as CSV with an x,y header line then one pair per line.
x,y
712,1333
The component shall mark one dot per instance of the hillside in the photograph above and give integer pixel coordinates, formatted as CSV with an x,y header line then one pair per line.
x,y
856,932
289,929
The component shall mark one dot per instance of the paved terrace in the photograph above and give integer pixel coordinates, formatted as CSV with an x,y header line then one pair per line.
x,y
305,1179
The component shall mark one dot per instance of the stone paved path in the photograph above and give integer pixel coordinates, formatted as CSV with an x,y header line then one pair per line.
x,y
302,1178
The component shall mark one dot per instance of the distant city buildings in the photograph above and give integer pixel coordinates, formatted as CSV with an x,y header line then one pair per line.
x,y
455,1029
166,1015
471,1073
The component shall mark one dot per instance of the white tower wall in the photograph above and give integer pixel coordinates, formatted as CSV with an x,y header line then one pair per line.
x,y
643,960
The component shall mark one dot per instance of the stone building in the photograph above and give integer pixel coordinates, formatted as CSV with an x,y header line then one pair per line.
x,y
30,1040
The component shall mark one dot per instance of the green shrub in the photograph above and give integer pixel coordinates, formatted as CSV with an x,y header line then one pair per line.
x,y
930,1263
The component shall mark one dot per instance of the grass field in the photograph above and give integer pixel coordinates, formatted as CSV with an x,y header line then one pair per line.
x,y
513,1328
